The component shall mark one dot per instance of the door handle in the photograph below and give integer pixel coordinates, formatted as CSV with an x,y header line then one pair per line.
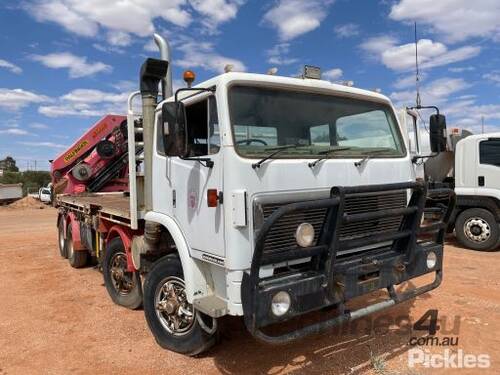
x,y
480,180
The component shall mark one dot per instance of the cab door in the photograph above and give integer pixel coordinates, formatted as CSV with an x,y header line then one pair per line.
x,y
192,179
488,169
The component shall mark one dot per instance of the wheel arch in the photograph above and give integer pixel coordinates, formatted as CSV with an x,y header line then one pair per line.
x,y
194,277
465,202
125,236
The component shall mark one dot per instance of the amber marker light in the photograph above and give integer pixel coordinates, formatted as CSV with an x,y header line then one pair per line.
x,y
189,77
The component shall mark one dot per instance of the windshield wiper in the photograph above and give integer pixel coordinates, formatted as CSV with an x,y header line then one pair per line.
x,y
276,150
326,154
370,153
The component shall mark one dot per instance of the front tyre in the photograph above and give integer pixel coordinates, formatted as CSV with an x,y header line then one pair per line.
x,y
175,324
477,229
123,286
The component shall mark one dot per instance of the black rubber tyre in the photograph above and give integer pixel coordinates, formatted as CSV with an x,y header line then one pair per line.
x,y
123,287
477,229
77,259
61,240
195,339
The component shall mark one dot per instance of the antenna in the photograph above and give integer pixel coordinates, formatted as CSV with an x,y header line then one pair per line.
x,y
417,72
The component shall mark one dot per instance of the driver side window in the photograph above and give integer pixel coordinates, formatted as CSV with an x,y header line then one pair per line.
x,y
203,137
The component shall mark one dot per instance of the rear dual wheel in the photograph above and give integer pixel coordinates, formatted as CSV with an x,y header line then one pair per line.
x,y
77,259
124,287
61,240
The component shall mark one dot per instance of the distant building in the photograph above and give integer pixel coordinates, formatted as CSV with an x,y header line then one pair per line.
x,y
8,164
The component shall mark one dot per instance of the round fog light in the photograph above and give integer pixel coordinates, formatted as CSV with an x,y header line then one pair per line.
x,y
280,303
431,260
304,235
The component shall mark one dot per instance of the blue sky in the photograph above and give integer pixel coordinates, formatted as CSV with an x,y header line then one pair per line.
x,y
65,63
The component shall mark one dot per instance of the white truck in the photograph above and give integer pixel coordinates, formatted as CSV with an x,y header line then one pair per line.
x,y
10,193
470,165
258,196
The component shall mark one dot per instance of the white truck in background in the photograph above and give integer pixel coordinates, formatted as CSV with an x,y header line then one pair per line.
x,y
470,165
10,193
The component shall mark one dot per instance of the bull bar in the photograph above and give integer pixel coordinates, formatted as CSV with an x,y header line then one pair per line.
x,y
331,281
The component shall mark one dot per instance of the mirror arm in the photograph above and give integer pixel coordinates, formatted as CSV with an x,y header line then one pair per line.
x,y
416,157
426,107
200,89
206,162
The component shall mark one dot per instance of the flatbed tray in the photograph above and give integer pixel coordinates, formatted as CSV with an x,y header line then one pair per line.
x,y
110,204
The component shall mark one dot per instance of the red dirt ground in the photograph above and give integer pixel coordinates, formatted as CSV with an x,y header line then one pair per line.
x,y
58,320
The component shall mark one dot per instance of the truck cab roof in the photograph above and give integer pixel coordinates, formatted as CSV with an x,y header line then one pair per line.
x,y
227,79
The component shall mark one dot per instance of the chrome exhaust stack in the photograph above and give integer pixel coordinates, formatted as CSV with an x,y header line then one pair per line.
x,y
165,54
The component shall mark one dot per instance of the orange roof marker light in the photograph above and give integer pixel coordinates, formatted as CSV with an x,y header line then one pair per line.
x,y
189,77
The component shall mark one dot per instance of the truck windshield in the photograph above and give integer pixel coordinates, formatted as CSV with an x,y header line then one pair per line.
x,y
263,119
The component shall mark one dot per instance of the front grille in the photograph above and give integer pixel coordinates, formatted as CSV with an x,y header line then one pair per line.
x,y
282,235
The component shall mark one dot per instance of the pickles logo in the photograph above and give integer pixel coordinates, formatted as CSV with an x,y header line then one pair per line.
x,y
74,152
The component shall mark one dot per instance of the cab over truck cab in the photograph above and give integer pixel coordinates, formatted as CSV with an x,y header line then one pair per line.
x,y
265,197
477,186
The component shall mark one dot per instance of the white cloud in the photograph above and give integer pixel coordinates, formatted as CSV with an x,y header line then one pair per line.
x,y
86,103
434,93
462,69
125,17
124,85
150,46
406,81
94,96
347,30
215,12
77,66
468,115
16,99
461,110
9,66
119,38
332,74
108,48
456,20
84,17
14,131
43,144
378,44
278,55
293,18
62,13
37,125
493,77
402,57
202,55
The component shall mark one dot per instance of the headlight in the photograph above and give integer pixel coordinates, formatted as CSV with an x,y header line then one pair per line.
x,y
280,303
431,260
304,235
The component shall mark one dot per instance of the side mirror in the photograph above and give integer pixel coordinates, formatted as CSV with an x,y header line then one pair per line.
x,y
174,129
437,130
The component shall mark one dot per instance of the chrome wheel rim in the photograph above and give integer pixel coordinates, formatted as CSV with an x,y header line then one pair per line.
x,y
477,229
175,313
122,280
